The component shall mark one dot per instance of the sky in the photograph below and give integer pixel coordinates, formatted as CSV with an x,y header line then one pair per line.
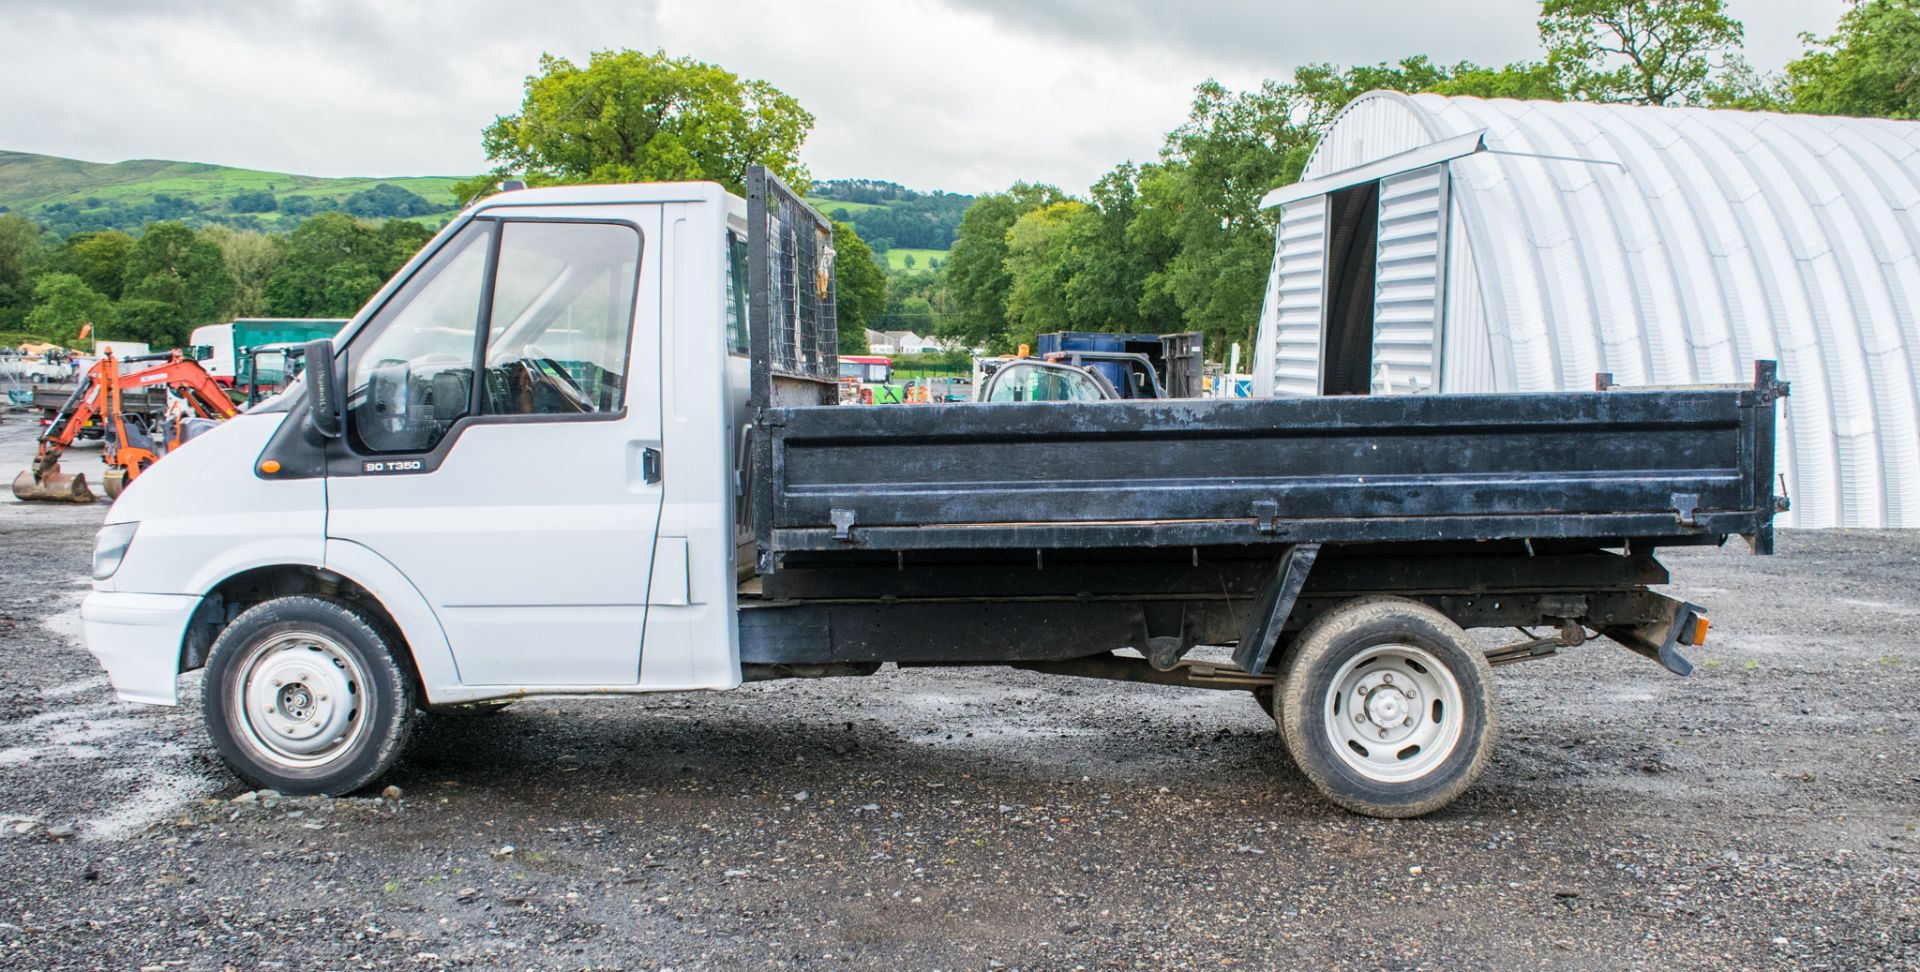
x,y
961,95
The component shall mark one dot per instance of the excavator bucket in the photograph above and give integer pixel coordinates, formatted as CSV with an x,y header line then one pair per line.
x,y
53,486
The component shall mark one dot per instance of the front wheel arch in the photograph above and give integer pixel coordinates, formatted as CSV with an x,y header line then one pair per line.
x,y
233,596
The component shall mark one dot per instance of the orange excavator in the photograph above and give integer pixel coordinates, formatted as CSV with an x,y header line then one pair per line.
x,y
134,439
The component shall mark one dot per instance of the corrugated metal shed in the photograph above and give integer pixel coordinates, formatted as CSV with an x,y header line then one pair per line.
x,y
1663,245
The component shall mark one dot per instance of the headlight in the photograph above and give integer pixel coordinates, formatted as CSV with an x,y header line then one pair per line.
x,y
110,547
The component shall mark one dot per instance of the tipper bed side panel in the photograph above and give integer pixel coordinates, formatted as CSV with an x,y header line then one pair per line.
x,y
1603,464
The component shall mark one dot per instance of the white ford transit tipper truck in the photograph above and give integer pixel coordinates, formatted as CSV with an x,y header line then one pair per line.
x,y
585,443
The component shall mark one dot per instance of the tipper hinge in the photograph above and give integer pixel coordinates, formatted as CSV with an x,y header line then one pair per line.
x,y
842,523
1685,506
1266,516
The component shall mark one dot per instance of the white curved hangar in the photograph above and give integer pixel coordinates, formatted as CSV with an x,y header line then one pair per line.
x,y
1464,245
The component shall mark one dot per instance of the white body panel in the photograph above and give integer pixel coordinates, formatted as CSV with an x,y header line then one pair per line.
x,y
205,517
128,635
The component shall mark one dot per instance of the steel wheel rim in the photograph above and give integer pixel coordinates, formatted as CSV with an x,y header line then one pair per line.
x,y
301,699
1395,713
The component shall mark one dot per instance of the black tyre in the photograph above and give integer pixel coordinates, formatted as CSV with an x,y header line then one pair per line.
x,y
1388,707
307,695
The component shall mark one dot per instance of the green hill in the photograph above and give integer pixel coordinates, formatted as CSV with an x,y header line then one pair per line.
x,y
70,195
891,217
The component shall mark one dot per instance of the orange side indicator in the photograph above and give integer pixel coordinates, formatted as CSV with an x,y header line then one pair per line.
x,y
270,467
1697,633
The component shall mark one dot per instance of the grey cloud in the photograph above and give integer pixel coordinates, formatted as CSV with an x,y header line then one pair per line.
x,y
1270,35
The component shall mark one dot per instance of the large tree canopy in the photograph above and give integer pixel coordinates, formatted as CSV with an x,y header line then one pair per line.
x,y
1870,66
334,262
63,303
21,257
977,266
100,259
1643,52
174,281
634,117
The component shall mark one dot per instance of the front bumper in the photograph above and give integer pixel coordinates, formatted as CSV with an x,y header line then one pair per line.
x,y
137,639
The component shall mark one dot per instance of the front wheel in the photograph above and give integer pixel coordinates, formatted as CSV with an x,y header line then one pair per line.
x,y
306,695
1388,707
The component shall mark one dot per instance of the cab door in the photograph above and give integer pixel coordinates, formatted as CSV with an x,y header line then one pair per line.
x,y
503,444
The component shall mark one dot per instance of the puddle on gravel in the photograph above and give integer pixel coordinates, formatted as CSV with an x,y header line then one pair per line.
x,y
157,795
139,775
82,686
65,620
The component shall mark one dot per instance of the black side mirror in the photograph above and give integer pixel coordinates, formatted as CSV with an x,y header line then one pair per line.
x,y
323,390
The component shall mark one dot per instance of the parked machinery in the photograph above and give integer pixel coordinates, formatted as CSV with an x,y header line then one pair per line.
x,y
133,441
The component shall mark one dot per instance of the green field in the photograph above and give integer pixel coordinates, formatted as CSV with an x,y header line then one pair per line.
x,y
827,206
29,182
897,259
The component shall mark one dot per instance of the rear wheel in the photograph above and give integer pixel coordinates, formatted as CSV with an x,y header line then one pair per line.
x,y
1388,707
306,695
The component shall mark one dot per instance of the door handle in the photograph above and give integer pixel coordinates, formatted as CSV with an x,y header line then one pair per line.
x,y
650,465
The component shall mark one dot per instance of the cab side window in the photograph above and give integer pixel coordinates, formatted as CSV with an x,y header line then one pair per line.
x,y
549,305
562,319
736,293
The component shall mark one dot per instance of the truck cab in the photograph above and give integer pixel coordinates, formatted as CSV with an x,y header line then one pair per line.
x,y
497,495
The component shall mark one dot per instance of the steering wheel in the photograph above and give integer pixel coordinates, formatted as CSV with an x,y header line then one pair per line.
x,y
540,369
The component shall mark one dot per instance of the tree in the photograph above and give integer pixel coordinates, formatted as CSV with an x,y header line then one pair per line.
x,y
1040,263
258,201
22,252
250,258
1522,80
387,200
1643,52
917,300
1743,88
63,303
175,280
1321,90
1869,67
1201,205
100,259
306,205
977,266
332,263
860,288
634,117
1324,89
1112,263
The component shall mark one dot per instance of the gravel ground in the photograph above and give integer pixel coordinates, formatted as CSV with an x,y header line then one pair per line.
x,y
1762,813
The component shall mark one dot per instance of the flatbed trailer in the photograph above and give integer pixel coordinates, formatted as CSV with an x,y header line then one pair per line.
x,y
402,535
